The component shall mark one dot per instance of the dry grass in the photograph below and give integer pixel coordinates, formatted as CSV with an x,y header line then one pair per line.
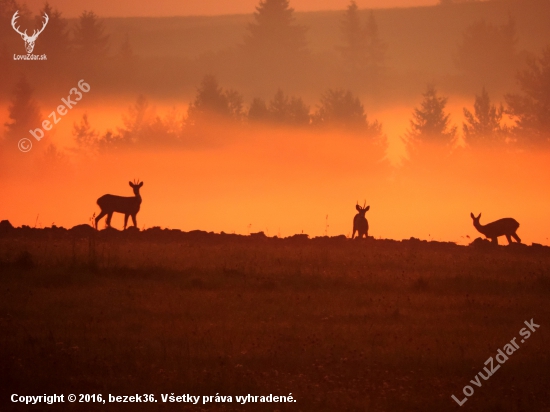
x,y
344,326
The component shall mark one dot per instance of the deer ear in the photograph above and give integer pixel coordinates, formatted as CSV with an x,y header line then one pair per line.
x,y
472,216
479,216
130,183
141,184
367,208
358,208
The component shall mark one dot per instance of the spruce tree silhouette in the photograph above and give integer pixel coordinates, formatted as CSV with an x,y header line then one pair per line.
x,y
273,33
484,126
341,109
23,111
90,41
531,108
54,41
487,53
363,51
430,123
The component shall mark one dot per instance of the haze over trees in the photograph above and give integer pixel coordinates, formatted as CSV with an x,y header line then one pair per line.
x,y
212,102
531,108
282,110
283,78
90,41
55,40
430,123
484,126
274,34
363,52
487,53
23,111
340,109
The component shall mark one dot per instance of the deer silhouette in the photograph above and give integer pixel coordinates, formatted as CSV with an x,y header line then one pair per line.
x,y
502,227
127,205
360,224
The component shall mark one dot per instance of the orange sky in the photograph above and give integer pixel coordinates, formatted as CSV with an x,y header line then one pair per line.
x,y
126,8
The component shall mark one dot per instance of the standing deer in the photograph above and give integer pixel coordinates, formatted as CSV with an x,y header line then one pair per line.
x,y
29,40
502,227
127,205
360,224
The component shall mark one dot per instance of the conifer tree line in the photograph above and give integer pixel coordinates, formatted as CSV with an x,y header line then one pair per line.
x,y
274,35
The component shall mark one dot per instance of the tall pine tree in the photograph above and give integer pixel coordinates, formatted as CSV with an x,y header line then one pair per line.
x,y
23,111
274,33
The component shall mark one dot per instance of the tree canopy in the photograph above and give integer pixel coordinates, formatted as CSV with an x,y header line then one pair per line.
x,y
430,123
531,108
23,110
484,125
274,33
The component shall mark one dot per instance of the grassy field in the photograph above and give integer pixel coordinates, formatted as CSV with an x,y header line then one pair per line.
x,y
343,325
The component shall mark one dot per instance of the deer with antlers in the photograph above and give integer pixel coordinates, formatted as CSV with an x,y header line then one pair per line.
x,y
502,227
29,40
360,223
127,205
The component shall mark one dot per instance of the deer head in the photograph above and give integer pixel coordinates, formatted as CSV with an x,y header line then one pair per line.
x,y
136,186
29,40
362,210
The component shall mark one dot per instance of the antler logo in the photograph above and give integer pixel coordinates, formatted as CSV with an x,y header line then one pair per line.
x,y
29,40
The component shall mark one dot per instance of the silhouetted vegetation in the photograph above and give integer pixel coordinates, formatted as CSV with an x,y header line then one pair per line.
x,y
338,109
363,52
484,126
23,111
488,52
430,123
341,109
278,38
282,109
55,40
531,108
90,41
274,34
212,101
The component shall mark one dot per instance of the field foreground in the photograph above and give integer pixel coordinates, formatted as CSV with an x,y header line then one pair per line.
x,y
341,325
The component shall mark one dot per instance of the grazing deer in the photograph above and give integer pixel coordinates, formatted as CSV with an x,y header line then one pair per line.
x,y
29,40
360,224
502,227
127,205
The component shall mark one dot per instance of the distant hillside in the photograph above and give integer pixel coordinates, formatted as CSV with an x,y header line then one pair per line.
x,y
419,39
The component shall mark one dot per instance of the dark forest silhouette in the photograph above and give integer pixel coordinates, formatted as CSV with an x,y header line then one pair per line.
x,y
84,46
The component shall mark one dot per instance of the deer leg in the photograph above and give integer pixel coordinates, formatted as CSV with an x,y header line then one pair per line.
x,y
134,220
109,216
494,240
125,220
515,236
509,239
98,218
353,234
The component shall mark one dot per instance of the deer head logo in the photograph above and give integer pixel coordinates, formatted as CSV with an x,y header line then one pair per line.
x,y
29,40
